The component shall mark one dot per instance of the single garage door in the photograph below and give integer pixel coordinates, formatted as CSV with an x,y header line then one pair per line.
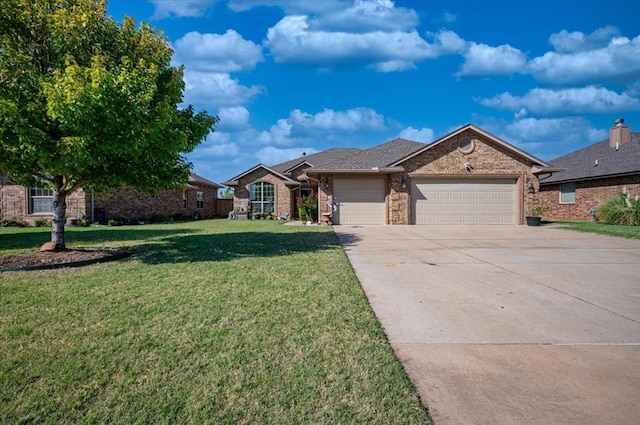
x,y
463,201
360,200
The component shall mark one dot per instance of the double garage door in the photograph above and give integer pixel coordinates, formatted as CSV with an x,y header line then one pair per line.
x,y
463,201
360,200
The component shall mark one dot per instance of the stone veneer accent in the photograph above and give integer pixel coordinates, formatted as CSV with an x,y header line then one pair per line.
x,y
589,194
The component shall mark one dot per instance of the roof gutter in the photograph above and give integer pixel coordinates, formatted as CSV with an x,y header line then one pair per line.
x,y
546,170
580,179
372,170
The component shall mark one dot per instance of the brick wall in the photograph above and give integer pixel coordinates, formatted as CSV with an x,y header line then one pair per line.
x,y
589,194
489,159
242,195
14,204
127,205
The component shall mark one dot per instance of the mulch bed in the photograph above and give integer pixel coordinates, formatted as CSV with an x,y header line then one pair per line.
x,y
77,257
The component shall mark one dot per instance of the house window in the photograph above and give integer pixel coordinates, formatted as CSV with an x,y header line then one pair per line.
x,y
200,200
568,193
184,199
262,196
40,201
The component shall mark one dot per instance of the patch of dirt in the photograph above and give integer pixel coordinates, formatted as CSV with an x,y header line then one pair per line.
x,y
69,258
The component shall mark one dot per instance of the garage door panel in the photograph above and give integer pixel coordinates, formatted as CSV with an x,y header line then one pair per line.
x,y
360,201
468,201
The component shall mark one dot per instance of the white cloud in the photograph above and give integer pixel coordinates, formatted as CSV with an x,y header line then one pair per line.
x,y
449,17
227,52
571,42
292,41
180,8
368,15
233,118
548,137
574,101
424,135
447,42
633,89
278,134
617,61
271,155
291,7
356,119
217,89
482,60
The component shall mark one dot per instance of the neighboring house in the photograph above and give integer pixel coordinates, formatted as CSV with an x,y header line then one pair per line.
x,y
197,198
467,177
592,175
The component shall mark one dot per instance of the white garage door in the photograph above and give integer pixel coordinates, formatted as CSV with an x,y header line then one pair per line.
x,y
463,201
360,200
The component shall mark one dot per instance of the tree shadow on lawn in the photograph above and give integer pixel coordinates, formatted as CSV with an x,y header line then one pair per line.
x,y
34,239
229,246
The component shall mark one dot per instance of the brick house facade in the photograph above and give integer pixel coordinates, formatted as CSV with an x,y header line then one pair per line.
x,y
588,177
125,204
588,195
467,177
490,158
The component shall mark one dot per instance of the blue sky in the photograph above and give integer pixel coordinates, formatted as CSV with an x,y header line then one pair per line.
x,y
288,76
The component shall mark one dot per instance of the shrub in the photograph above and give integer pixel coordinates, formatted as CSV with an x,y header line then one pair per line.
x,y
159,218
180,217
42,222
620,210
114,222
308,208
13,223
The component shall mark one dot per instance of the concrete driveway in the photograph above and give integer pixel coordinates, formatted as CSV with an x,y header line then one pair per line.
x,y
508,324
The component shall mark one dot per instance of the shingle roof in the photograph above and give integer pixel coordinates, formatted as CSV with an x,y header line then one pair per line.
x,y
377,156
581,164
320,159
196,179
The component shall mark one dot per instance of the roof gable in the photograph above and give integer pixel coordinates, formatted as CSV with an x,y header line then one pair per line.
x,y
234,181
597,160
482,132
199,180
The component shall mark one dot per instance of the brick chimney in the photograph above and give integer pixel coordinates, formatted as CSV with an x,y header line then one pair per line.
x,y
620,134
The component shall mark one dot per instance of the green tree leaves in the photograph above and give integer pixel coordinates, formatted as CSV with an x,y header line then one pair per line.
x,y
86,101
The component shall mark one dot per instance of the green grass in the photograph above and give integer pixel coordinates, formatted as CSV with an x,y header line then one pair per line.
x,y
210,322
630,232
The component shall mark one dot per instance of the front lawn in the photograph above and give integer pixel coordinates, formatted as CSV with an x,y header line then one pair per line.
x,y
210,322
631,232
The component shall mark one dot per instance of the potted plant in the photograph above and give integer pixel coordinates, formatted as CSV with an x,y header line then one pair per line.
x,y
535,216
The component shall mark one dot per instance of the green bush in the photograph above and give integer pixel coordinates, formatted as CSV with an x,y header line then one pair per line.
x,y
159,218
616,211
42,222
13,223
115,222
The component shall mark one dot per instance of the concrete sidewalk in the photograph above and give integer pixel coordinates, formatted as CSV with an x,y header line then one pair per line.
x,y
508,324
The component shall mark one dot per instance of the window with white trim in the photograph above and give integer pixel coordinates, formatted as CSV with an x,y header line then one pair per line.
x,y
568,193
262,197
200,200
40,201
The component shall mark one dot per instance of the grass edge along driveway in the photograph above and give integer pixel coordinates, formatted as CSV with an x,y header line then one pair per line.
x,y
210,322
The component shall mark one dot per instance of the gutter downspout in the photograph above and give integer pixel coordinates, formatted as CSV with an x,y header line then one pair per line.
x,y
93,208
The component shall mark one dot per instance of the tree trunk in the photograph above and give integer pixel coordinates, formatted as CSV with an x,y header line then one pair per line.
x,y
59,212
